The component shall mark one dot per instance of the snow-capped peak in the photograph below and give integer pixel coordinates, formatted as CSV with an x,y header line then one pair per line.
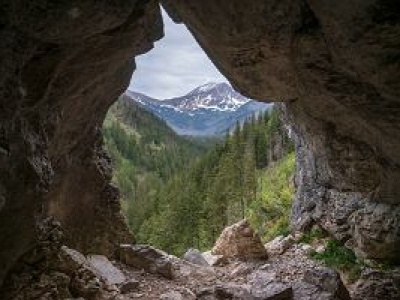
x,y
213,96
210,107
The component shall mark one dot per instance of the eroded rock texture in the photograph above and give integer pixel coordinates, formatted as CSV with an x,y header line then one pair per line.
x,y
336,67
62,64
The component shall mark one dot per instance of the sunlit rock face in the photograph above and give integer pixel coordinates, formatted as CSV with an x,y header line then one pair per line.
x,y
336,67
62,65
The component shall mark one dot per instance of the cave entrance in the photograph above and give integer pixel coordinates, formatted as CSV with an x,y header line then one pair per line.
x,y
191,155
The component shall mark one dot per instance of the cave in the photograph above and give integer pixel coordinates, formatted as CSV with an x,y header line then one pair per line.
x,y
334,67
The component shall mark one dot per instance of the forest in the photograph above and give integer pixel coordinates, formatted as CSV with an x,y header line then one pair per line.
x,y
180,193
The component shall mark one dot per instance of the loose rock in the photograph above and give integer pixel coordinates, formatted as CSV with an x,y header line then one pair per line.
x,y
196,257
105,269
328,280
147,258
240,241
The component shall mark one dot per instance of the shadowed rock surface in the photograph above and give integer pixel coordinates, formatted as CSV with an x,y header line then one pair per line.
x,y
336,67
62,65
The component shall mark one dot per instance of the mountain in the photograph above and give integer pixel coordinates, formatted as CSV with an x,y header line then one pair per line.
x,y
209,110
137,135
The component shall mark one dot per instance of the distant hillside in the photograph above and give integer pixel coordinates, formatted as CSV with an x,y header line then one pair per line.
x,y
209,110
246,175
145,153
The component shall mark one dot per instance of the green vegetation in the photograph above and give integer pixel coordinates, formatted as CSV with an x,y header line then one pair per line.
x,y
223,187
270,211
145,153
338,257
176,196
316,233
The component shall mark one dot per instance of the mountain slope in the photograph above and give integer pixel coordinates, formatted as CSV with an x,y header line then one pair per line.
x,y
209,110
145,153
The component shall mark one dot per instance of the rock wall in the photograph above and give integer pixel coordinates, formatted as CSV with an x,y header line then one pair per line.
x,y
62,64
337,69
335,66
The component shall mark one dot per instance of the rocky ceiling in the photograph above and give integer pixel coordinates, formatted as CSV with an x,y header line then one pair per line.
x,y
335,67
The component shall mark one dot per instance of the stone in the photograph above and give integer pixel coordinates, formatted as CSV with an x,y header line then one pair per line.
x,y
304,249
183,294
187,269
225,291
215,260
329,281
273,291
280,244
196,257
105,269
264,285
320,249
242,269
240,241
173,295
374,285
72,259
147,258
129,286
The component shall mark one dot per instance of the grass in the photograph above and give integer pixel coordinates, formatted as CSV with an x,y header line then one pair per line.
x,y
340,258
316,233
269,213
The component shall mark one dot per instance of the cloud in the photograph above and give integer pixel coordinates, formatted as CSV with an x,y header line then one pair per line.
x,y
175,66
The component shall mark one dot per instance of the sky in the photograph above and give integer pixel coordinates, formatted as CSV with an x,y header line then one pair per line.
x,y
175,66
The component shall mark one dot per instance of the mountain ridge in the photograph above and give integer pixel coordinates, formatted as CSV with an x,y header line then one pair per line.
x,y
208,110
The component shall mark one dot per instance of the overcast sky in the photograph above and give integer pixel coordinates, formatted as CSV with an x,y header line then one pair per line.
x,y
175,66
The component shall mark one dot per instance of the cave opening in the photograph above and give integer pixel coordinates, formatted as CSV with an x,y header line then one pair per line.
x,y
64,63
191,155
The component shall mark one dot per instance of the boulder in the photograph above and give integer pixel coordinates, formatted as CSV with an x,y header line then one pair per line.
x,y
377,285
147,258
129,286
173,295
105,269
240,241
196,257
182,294
264,285
225,291
243,269
215,260
280,244
329,281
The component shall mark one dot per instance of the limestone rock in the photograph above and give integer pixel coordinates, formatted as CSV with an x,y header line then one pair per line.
x,y
129,286
336,69
146,258
215,260
240,241
60,71
329,281
225,291
173,295
280,244
196,257
105,269
264,285
183,294
378,285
